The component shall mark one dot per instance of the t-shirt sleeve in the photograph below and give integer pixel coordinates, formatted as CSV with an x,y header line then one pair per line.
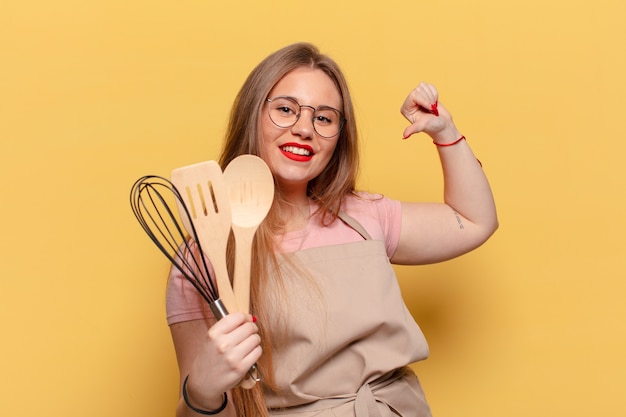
x,y
380,216
390,216
182,300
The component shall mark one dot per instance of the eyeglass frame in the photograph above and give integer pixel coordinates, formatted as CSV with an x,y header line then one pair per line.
x,y
342,119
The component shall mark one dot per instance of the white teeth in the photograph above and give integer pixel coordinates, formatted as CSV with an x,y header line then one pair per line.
x,y
296,150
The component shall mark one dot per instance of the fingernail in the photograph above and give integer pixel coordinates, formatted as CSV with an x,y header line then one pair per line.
x,y
254,319
434,110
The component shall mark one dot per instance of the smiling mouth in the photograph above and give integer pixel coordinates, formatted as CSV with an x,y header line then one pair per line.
x,y
296,150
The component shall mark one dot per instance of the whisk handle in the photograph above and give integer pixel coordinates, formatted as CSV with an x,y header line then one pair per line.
x,y
219,309
254,374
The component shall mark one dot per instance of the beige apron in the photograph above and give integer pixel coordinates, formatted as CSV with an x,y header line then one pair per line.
x,y
350,336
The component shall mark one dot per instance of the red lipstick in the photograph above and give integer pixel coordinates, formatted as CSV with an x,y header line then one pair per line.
x,y
297,151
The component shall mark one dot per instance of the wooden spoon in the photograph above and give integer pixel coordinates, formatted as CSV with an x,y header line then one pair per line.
x,y
250,189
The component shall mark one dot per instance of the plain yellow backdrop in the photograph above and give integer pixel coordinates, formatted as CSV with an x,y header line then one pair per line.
x,y
94,94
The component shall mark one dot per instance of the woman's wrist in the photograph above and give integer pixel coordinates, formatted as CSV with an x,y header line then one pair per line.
x,y
447,136
460,139
198,410
450,143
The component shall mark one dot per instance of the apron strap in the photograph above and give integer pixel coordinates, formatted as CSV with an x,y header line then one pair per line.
x,y
365,404
354,224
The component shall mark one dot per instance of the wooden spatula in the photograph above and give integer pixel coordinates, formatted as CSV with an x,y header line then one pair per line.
x,y
203,191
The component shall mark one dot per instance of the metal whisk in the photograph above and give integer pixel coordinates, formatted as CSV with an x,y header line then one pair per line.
x,y
151,200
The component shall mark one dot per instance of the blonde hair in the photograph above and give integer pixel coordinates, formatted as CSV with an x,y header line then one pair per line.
x,y
327,190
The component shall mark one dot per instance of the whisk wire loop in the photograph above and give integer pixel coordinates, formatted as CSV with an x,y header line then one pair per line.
x,y
150,201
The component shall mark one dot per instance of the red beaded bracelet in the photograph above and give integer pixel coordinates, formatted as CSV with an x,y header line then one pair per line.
x,y
450,144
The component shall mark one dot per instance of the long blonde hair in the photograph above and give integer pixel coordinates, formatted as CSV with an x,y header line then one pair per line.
x,y
327,190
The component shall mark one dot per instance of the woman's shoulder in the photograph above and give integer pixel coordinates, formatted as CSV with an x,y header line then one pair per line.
x,y
370,203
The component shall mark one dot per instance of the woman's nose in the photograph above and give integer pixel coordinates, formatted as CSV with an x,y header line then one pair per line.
x,y
304,125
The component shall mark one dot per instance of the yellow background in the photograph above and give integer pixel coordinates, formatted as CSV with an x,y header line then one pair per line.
x,y
94,94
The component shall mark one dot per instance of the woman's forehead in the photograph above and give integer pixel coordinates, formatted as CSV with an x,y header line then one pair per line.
x,y
309,86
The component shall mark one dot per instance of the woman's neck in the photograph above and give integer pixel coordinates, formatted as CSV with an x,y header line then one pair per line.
x,y
295,212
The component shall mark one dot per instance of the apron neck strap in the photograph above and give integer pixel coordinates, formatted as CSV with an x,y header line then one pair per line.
x,y
354,224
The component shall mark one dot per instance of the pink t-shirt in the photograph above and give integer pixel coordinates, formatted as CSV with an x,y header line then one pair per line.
x,y
379,216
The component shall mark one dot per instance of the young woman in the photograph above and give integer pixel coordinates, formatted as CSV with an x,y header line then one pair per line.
x,y
333,335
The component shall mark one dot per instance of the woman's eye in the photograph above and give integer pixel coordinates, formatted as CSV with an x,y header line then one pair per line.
x,y
326,117
285,109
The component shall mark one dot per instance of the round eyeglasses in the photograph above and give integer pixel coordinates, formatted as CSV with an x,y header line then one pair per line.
x,y
285,112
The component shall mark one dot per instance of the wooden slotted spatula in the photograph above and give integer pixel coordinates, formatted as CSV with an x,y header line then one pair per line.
x,y
202,189
250,188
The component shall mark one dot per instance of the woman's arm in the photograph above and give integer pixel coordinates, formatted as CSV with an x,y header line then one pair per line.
x,y
434,232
